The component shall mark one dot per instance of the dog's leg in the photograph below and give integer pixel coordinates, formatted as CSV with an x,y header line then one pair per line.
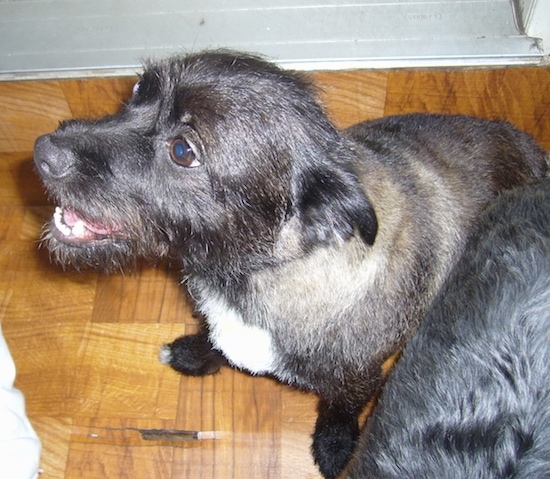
x,y
335,436
192,355
337,427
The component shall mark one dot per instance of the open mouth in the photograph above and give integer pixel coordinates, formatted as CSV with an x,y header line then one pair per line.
x,y
70,226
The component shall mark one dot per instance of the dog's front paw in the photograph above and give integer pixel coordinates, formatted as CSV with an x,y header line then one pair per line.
x,y
334,441
192,355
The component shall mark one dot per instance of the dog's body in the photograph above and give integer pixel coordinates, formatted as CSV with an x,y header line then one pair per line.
x,y
311,253
470,397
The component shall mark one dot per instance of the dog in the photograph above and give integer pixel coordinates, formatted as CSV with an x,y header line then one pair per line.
x,y
470,396
312,253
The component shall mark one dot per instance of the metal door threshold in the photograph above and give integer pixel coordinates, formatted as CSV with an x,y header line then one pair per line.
x,y
53,39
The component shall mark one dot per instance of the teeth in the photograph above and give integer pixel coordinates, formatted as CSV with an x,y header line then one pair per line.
x,y
79,229
58,220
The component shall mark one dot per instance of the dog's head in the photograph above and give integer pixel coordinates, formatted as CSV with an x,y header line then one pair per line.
x,y
212,159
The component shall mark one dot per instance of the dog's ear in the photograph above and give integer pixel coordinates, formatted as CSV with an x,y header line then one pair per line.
x,y
331,205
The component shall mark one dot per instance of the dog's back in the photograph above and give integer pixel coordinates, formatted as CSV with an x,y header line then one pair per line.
x,y
470,398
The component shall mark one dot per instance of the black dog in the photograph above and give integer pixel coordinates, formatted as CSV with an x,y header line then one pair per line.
x,y
311,253
470,398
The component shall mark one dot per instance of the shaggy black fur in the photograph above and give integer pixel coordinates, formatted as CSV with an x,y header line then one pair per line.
x,y
470,397
311,253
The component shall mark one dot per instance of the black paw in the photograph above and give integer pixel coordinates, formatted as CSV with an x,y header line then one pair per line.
x,y
334,441
192,355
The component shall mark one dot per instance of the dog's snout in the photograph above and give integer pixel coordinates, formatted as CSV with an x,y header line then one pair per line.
x,y
51,160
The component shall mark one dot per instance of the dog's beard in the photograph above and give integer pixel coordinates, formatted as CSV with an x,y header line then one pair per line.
x,y
77,242
107,254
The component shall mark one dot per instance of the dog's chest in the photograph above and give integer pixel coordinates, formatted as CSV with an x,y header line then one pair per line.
x,y
245,346
286,311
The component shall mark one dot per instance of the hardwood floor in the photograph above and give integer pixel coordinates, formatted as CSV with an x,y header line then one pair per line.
x,y
86,344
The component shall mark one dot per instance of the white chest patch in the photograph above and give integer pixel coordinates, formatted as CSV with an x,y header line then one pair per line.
x,y
247,347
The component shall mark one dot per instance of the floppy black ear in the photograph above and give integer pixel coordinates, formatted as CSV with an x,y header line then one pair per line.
x,y
332,205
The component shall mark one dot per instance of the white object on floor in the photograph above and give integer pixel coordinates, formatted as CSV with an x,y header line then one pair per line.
x,y
20,447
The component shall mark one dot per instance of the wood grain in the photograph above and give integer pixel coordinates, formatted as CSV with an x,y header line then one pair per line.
x,y
517,95
86,344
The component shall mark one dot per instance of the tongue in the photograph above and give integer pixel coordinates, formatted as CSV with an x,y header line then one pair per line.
x,y
71,218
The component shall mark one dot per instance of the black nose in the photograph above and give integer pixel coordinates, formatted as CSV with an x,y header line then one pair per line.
x,y
52,161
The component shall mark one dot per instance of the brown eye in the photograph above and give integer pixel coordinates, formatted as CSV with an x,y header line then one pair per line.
x,y
182,153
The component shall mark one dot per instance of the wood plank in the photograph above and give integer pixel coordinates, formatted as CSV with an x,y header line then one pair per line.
x,y
146,295
139,385
19,183
27,110
55,435
519,95
92,98
41,291
352,96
